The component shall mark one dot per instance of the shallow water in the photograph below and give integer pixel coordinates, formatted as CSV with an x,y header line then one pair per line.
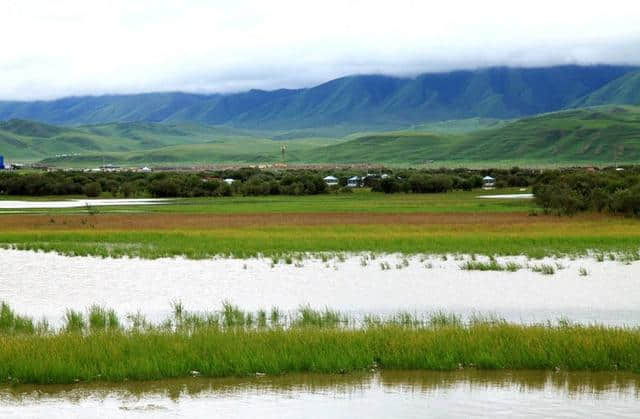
x,y
45,284
509,196
79,203
398,394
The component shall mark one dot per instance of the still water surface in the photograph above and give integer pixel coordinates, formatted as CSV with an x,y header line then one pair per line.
x,y
80,203
397,394
45,284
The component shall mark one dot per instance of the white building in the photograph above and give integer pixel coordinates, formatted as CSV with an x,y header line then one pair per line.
x,y
488,182
353,182
331,180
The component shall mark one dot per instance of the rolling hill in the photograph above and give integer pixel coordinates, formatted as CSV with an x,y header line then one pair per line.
x,y
31,141
624,90
363,102
598,135
137,143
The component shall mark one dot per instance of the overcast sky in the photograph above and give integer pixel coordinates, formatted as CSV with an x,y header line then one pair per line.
x,y
55,48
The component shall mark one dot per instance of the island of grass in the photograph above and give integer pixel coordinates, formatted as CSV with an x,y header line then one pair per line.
x,y
96,347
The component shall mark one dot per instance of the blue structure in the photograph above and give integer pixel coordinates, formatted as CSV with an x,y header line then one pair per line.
x,y
1,162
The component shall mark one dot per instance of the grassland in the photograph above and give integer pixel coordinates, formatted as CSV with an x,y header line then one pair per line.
x,y
360,201
589,136
137,143
236,343
359,222
581,137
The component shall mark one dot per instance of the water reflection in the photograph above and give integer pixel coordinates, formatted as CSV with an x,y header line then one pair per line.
x,y
384,394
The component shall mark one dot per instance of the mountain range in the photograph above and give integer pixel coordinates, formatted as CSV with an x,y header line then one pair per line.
x,y
596,135
361,101
557,115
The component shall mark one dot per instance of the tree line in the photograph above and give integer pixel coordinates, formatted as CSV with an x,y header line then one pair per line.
x,y
570,191
248,182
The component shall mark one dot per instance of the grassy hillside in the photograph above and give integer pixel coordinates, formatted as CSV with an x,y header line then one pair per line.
x,y
624,90
28,140
599,135
372,102
224,149
584,136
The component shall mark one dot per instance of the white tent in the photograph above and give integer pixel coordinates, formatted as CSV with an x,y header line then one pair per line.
x,y
331,180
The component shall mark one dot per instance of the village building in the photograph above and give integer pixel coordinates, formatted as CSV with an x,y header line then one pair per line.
x,y
331,180
353,182
488,182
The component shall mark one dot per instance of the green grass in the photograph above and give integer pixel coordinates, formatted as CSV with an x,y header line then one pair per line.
x,y
236,343
139,143
462,233
219,149
492,265
624,90
544,269
361,201
283,241
572,239
587,136
602,135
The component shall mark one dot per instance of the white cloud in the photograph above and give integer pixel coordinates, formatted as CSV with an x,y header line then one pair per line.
x,y
72,47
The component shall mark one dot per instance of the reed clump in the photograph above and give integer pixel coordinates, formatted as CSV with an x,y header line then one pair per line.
x,y
232,342
491,265
544,269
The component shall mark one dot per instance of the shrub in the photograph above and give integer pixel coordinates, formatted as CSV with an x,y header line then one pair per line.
x,y
165,188
92,189
626,201
389,185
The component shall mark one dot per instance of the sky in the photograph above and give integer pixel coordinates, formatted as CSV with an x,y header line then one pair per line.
x,y
51,49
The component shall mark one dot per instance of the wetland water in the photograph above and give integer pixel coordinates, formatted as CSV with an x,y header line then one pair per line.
x,y
45,284
508,196
80,203
406,394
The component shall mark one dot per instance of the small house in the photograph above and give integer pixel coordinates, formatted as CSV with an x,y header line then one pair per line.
x,y
353,182
229,181
488,182
331,180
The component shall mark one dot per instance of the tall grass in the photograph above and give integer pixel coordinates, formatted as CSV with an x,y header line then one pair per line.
x,y
11,323
283,242
231,343
544,269
491,265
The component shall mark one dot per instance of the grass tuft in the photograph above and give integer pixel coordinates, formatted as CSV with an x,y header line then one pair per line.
x,y
323,341
491,265
544,269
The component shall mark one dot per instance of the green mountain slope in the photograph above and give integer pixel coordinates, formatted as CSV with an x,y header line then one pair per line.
x,y
624,90
249,150
598,135
372,102
28,140
583,136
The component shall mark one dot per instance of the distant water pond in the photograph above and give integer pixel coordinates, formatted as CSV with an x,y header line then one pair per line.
x,y
582,290
508,196
397,394
79,203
